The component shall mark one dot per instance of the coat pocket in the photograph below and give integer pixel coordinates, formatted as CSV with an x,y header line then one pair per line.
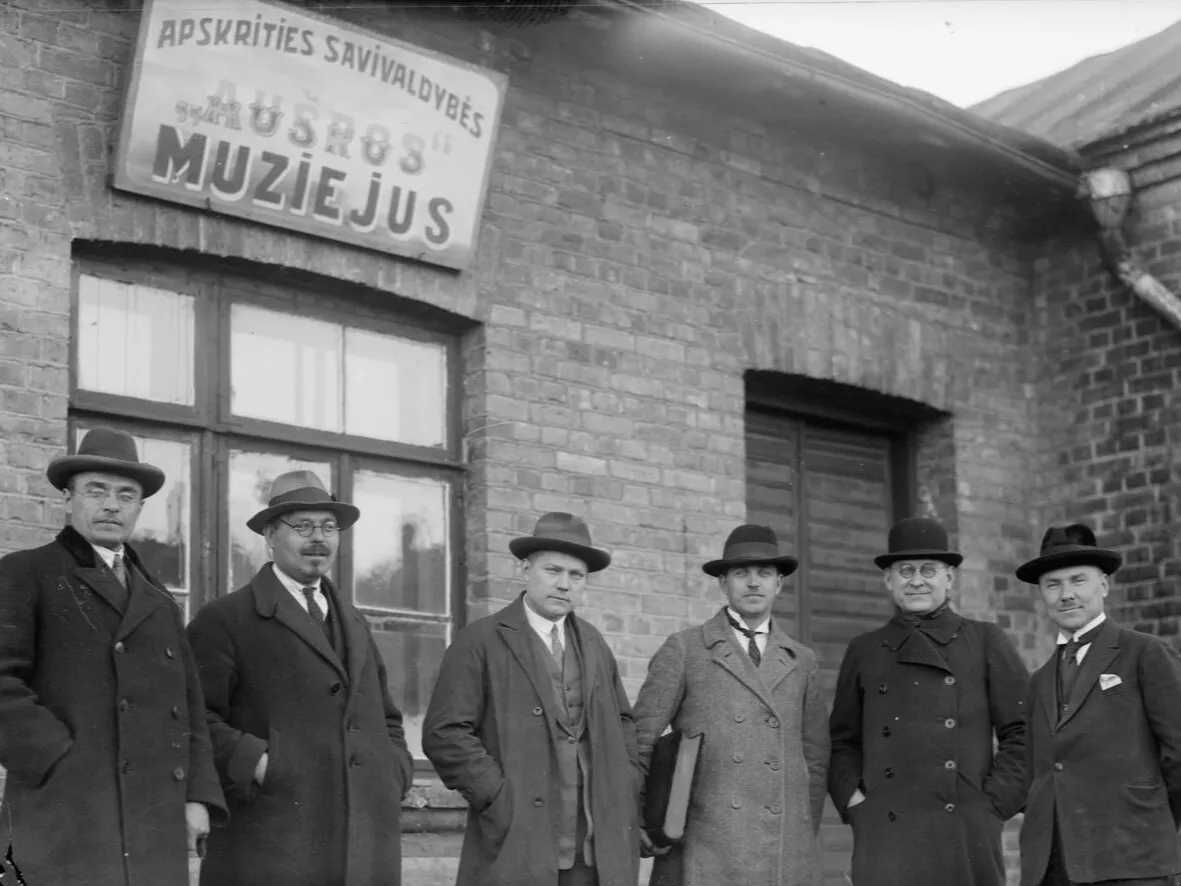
x,y
496,817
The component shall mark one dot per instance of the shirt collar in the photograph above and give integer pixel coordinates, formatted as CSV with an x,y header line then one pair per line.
x,y
291,584
1063,639
763,628
107,554
540,623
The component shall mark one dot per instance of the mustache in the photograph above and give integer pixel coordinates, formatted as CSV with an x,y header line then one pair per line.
x,y
315,550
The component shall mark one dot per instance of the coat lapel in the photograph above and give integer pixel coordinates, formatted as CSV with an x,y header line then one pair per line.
x,y
513,627
913,646
143,598
1104,649
135,603
779,659
271,600
590,657
356,633
728,655
1046,693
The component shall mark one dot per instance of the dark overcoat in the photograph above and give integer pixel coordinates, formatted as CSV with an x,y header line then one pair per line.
x,y
490,732
913,722
102,727
1110,767
758,793
328,812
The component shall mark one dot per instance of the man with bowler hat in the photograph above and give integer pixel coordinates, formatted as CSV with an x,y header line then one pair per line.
x,y
529,722
1104,733
753,694
102,727
919,702
309,745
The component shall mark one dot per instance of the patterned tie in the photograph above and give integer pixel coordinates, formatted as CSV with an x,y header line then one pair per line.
x,y
316,612
752,648
120,569
555,644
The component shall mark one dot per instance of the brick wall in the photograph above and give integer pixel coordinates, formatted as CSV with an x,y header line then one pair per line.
x,y
642,248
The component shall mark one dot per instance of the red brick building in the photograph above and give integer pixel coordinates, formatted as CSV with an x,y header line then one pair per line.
x,y
718,278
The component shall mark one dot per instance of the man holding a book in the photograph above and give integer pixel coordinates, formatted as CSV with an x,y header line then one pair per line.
x,y
752,695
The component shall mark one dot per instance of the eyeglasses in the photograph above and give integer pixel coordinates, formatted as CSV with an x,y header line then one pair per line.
x,y
307,527
99,495
927,570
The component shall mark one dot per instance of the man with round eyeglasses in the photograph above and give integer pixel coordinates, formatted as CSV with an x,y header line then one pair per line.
x,y
309,745
928,729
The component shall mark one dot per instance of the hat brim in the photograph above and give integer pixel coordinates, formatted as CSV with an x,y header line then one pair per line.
x,y
951,558
346,514
60,470
1107,561
786,565
594,559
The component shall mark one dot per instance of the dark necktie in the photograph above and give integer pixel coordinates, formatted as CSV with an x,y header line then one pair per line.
x,y
555,645
1068,665
752,648
119,567
316,612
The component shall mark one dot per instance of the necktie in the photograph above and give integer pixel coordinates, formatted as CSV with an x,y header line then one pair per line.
x,y
752,648
1068,665
120,569
555,644
316,612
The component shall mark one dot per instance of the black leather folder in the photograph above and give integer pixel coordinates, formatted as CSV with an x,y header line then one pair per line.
x,y
670,782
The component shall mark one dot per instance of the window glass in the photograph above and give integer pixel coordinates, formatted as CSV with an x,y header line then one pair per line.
x,y
412,653
396,388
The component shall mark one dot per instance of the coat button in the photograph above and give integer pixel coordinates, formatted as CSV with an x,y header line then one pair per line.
x,y
124,766
950,807
738,718
949,680
1058,767
124,704
119,647
886,731
350,726
178,773
537,801
891,816
949,765
335,689
889,772
773,723
734,804
571,739
737,758
775,765
882,689
776,808
168,652
949,723
175,712
537,712
353,764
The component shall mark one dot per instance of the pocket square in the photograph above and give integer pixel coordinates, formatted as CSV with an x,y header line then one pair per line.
x,y
1106,681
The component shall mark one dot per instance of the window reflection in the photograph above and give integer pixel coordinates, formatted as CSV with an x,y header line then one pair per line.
x,y
412,654
396,388
251,475
285,368
400,543
135,340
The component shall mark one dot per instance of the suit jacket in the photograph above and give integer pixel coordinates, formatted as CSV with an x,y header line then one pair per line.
x,y
491,730
329,808
1110,769
758,793
102,726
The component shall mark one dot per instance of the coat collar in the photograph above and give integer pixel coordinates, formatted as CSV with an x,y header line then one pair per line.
x,y
920,644
143,595
780,657
272,600
513,626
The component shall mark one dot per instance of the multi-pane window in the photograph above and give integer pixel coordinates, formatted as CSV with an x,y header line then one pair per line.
x,y
226,383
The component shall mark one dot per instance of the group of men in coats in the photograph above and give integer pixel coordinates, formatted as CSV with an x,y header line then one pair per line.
x,y
264,735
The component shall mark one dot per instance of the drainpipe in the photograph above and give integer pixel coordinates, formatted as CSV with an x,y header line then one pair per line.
x,y
1109,191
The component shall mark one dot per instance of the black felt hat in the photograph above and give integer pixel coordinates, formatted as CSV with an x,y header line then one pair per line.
x,y
750,545
1064,546
565,533
918,538
107,451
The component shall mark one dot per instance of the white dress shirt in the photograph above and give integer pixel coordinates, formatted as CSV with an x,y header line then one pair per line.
x,y
1082,652
544,627
108,555
761,632
296,590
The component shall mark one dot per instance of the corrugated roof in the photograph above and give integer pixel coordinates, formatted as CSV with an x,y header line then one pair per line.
x,y
1097,97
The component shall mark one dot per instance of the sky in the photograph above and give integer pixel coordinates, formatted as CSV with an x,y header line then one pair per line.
x,y
963,51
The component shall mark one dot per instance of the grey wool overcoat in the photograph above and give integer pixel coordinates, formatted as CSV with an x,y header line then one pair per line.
x,y
102,727
490,732
758,794
328,812
913,725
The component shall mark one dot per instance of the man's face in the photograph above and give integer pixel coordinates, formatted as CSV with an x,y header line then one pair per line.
x,y
750,590
1073,596
552,579
916,592
303,558
103,508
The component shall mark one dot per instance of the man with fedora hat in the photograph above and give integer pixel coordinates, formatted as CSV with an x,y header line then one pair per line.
x,y
1104,732
309,745
753,694
919,703
102,726
529,722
